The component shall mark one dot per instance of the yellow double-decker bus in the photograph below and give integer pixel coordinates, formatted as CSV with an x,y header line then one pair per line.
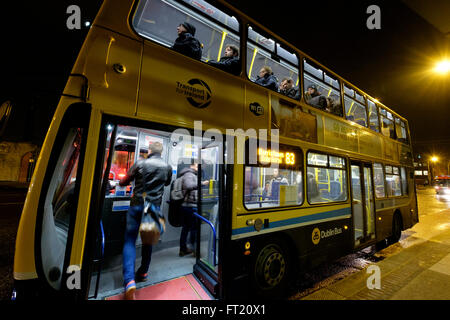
x,y
297,166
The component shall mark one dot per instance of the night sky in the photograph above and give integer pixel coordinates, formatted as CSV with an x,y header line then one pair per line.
x,y
391,64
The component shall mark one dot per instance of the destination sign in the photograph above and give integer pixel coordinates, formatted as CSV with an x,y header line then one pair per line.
x,y
266,156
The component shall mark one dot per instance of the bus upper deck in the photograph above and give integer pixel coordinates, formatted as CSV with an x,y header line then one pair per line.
x,y
371,128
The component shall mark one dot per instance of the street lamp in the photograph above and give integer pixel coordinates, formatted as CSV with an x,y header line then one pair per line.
x,y
433,159
442,67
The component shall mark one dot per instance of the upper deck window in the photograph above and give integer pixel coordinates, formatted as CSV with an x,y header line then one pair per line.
x,y
215,31
372,109
271,65
387,123
400,130
355,106
321,89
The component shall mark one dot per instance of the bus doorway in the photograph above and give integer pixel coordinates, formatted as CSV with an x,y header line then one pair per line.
x,y
171,275
363,203
210,206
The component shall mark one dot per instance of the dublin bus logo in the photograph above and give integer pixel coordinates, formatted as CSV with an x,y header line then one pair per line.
x,y
196,91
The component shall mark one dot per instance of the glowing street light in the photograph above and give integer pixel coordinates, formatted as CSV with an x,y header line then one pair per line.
x,y
433,159
442,67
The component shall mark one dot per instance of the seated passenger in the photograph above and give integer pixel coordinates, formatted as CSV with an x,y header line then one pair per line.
x,y
334,105
287,88
267,79
186,43
316,98
230,61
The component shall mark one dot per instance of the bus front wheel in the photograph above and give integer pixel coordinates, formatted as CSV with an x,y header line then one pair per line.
x,y
272,267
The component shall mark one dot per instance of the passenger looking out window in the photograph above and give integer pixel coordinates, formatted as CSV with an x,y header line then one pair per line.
x,y
315,98
287,88
267,79
186,43
230,61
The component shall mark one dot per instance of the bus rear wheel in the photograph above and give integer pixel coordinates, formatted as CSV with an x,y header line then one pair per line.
x,y
272,268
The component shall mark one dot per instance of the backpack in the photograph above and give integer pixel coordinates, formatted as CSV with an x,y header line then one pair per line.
x,y
176,190
175,216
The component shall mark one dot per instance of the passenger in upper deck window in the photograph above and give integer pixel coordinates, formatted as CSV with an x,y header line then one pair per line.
x,y
334,105
287,88
315,98
267,79
186,43
230,61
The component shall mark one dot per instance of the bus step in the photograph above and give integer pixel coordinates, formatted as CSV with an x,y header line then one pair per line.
x,y
183,288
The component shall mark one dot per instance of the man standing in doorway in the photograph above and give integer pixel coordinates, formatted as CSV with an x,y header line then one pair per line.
x,y
189,207
150,175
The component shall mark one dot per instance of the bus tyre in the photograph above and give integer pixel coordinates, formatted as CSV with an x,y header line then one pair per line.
x,y
396,229
381,245
272,267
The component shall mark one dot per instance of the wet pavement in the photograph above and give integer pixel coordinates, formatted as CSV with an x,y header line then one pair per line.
x,y
415,268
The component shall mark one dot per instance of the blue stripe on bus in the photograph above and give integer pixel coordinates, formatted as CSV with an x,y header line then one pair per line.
x,y
120,208
292,221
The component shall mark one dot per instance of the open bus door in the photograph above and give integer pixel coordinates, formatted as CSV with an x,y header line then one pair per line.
x,y
210,185
171,276
363,203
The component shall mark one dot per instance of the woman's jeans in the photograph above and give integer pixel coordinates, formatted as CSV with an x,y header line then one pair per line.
x,y
134,216
189,225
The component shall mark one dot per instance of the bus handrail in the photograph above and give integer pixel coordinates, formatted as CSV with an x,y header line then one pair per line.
x,y
213,230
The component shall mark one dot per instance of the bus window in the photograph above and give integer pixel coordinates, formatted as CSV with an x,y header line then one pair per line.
x,y
374,123
274,186
327,178
379,180
158,20
270,65
404,181
387,123
393,187
400,130
60,205
59,201
321,90
355,107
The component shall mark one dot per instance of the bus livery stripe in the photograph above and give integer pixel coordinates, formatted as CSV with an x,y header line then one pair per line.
x,y
304,220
